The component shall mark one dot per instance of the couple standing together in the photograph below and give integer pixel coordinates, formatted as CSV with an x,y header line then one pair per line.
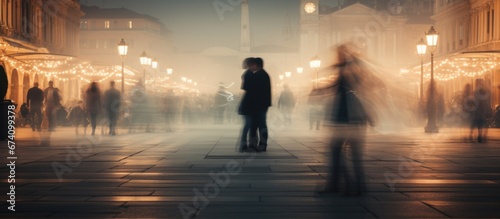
x,y
254,104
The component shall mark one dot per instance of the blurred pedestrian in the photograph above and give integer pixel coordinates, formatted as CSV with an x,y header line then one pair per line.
x,y
53,99
286,103
315,102
35,103
112,102
169,108
259,100
347,117
78,116
93,104
482,99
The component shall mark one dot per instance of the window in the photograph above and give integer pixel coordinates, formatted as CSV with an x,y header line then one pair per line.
x,y
106,24
83,24
461,34
130,24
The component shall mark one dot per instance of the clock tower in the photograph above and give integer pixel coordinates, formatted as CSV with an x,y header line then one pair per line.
x,y
309,29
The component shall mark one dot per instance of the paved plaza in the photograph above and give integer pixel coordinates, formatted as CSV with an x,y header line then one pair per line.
x,y
410,174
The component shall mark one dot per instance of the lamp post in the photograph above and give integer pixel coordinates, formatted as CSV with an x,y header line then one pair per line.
x,y
432,38
122,51
315,63
421,51
144,62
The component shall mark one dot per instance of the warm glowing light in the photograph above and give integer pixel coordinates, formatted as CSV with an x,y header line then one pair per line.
x,y
315,63
432,39
122,48
170,71
300,70
421,47
288,74
281,77
144,58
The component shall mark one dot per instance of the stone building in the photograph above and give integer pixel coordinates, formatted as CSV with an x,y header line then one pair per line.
x,y
36,35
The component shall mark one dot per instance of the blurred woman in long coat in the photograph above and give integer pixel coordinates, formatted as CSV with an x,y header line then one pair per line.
x,y
347,117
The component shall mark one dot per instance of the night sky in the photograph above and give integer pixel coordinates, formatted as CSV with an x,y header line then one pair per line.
x,y
197,25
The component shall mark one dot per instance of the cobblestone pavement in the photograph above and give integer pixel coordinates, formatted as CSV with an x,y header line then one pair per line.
x,y
168,174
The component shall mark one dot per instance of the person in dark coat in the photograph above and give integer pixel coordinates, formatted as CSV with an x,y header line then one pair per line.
x,y
243,109
35,103
348,117
259,100
93,104
112,102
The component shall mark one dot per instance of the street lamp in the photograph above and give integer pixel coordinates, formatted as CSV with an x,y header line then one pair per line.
x,y
421,51
432,38
122,51
169,71
315,63
288,74
154,65
145,60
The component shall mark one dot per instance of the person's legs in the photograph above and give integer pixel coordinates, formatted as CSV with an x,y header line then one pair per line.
x,y
112,117
262,126
38,118
356,145
50,117
254,126
245,133
332,184
93,122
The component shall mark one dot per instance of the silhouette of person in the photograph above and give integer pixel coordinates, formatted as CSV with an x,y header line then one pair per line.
x,y
112,102
259,100
286,103
347,117
35,103
244,107
93,104
53,98
482,96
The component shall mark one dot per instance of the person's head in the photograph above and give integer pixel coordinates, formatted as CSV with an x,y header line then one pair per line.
x,y
256,64
35,84
112,84
93,87
51,83
245,64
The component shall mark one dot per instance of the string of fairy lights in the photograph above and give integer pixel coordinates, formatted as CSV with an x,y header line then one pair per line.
x,y
65,69
453,68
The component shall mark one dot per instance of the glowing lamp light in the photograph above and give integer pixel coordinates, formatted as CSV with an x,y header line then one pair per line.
x,y
432,39
288,74
144,58
184,79
300,70
421,48
281,77
122,48
154,63
170,71
315,63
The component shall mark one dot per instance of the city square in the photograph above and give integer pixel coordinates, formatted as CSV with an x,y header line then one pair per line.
x,y
250,108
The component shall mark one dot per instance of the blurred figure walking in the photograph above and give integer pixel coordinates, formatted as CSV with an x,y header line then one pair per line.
x,y
112,102
347,117
93,104
482,100
34,104
53,99
286,103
